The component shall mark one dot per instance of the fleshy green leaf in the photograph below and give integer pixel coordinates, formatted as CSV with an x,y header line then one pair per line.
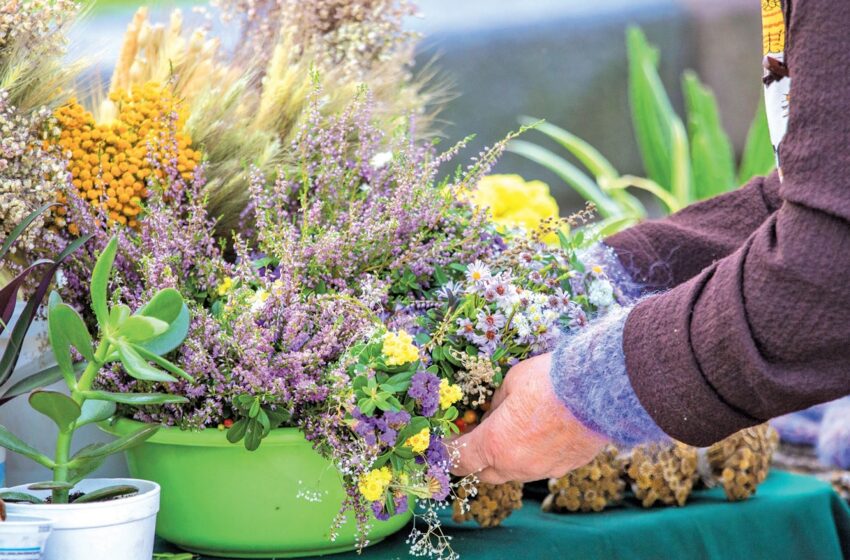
x,y
95,411
121,444
108,493
50,485
173,337
16,445
138,368
162,362
60,408
20,497
100,281
139,328
138,399
66,327
165,305
38,380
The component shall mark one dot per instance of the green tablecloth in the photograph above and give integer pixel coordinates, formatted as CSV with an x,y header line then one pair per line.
x,y
791,517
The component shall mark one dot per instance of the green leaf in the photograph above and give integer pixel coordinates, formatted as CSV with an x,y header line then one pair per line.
x,y
255,409
117,316
137,399
62,409
165,305
173,337
138,368
20,497
50,485
161,362
100,281
16,445
19,229
38,380
652,112
712,158
253,436
681,184
84,467
569,173
73,330
139,328
758,157
589,156
237,430
95,411
123,443
108,493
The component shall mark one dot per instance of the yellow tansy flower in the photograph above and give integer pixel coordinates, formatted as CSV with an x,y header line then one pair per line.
x,y
373,485
419,443
449,394
399,349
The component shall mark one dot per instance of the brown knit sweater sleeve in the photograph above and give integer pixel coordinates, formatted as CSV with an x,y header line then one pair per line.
x,y
660,254
766,330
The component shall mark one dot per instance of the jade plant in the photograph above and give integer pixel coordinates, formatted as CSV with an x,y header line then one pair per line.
x,y
135,341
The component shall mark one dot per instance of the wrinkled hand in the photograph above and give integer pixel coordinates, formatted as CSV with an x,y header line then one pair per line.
x,y
528,434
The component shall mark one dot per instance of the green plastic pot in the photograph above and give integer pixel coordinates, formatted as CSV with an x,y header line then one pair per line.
x,y
218,499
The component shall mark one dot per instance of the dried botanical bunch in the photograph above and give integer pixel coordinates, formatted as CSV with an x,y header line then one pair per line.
x,y
592,487
662,473
741,462
32,46
111,162
32,171
487,504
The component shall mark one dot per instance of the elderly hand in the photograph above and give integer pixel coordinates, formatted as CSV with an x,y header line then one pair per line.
x,y
528,434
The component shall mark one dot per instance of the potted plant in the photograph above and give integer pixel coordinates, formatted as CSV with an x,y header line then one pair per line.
x,y
99,518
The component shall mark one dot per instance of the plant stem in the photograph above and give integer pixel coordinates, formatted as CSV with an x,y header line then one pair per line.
x,y
65,437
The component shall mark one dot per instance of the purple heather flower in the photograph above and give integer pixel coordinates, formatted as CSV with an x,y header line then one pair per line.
x,y
425,388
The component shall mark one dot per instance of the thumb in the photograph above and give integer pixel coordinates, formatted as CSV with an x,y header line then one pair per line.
x,y
474,448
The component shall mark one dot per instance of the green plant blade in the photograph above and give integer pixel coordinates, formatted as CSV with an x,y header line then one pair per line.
x,y
569,173
712,157
758,158
84,467
38,380
652,112
590,157
137,399
60,408
100,281
50,485
64,320
19,229
681,185
138,368
173,337
121,444
162,362
9,293
108,493
95,411
16,445
165,305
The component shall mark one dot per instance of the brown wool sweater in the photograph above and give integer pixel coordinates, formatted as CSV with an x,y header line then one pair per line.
x,y
757,321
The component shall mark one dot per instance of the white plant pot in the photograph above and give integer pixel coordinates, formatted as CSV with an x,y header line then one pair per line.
x,y
121,529
23,537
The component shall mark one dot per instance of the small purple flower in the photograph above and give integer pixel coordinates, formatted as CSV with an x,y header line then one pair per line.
x,y
379,511
397,420
489,321
438,483
425,388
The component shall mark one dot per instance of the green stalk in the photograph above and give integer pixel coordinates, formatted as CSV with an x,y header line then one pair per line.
x,y
65,437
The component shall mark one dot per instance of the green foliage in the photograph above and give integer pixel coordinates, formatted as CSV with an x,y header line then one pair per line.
x,y
256,421
683,163
122,337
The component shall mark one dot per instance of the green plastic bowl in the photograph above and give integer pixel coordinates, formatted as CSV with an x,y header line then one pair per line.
x,y
219,499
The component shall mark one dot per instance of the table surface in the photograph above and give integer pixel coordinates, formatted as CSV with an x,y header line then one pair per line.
x,y
792,516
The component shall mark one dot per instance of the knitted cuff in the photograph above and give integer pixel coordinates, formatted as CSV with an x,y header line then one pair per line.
x,y
833,445
589,376
626,290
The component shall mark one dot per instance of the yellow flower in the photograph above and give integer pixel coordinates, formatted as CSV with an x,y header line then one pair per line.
x,y
399,349
597,269
225,286
374,484
449,394
419,442
514,202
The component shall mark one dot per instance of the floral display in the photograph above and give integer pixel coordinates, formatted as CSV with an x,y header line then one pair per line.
x,y
514,202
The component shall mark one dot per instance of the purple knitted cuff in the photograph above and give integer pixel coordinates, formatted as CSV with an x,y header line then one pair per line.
x,y
589,376
626,290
